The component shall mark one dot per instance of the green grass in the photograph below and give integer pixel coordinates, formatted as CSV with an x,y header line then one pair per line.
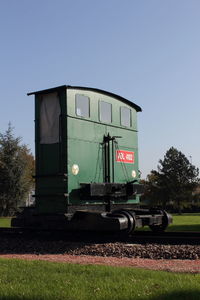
x,y
36,280
5,222
185,222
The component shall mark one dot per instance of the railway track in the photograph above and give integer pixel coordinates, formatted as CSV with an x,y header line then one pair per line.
x,y
176,245
192,238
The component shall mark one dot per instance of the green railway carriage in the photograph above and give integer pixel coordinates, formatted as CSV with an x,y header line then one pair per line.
x,y
87,175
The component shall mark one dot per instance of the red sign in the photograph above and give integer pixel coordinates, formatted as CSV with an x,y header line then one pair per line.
x,y
125,156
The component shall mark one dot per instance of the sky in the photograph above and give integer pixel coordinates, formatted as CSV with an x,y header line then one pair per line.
x,y
147,51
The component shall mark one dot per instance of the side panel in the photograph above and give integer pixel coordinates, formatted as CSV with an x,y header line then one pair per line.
x,y
51,183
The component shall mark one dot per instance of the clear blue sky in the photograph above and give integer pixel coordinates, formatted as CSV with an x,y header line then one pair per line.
x,y
147,51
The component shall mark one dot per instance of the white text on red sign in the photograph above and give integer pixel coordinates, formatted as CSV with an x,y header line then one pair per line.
x,y
125,156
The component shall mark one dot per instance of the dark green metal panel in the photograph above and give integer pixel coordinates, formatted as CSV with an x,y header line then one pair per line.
x,y
85,137
84,150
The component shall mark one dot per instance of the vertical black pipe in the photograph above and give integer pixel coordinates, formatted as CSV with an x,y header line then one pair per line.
x,y
107,168
59,144
105,160
113,162
108,160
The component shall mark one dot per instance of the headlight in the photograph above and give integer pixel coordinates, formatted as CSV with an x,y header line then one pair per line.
x,y
75,169
133,174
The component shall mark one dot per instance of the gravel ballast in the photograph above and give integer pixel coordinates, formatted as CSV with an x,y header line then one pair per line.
x,y
116,249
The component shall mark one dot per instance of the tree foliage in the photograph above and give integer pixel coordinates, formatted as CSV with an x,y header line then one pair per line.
x,y
174,182
16,169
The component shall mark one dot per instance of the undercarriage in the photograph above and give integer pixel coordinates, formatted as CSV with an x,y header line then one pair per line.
x,y
121,220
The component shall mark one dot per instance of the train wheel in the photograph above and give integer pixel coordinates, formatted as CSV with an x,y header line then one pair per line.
x,y
130,216
165,222
157,228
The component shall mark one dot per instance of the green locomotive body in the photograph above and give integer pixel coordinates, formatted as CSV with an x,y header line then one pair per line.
x,y
87,175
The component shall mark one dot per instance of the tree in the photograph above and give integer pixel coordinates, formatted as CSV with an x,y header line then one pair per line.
x,y
16,169
175,180
155,192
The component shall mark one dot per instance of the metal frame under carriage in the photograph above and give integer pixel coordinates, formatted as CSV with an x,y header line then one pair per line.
x,y
121,219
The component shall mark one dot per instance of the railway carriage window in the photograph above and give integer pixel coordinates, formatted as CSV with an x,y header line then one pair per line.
x,y
49,118
125,116
82,106
105,112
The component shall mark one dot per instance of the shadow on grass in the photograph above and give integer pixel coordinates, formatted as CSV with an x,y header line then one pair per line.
x,y
194,227
178,295
22,298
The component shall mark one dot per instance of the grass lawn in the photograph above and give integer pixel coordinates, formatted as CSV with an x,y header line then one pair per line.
x,y
185,222
5,222
36,280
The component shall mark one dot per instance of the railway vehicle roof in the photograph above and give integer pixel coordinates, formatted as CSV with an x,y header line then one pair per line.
x,y
135,106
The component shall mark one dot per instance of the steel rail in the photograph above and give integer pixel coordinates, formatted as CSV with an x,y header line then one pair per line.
x,y
185,237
